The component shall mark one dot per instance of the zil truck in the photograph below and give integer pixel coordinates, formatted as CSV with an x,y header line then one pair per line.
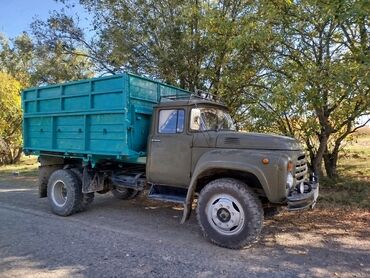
x,y
128,134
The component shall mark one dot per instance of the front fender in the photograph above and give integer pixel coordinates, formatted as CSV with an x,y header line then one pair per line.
x,y
248,161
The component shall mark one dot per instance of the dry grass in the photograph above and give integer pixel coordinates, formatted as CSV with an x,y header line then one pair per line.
x,y
24,172
352,188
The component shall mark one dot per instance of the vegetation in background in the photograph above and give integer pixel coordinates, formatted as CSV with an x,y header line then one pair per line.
x,y
10,119
24,63
34,64
350,190
298,68
352,187
318,83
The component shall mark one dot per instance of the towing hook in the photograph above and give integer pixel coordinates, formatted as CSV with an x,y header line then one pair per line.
x,y
314,177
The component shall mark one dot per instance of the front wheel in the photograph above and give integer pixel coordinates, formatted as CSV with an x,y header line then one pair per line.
x,y
229,213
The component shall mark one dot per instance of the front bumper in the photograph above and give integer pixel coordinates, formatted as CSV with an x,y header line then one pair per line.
x,y
300,201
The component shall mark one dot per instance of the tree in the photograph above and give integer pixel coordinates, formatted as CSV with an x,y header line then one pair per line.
x,y
10,119
318,82
16,58
191,44
299,68
54,65
24,63
35,64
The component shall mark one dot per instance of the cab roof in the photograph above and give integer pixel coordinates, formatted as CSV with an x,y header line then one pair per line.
x,y
189,102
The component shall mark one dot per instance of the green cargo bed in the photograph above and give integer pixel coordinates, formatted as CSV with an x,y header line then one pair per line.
x,y
100,118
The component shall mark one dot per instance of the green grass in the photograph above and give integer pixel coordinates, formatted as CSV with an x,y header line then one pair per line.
x,y
352,188
23,173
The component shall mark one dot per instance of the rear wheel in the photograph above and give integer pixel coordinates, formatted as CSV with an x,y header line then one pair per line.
x,y
229,213
125,193
44,175
64,192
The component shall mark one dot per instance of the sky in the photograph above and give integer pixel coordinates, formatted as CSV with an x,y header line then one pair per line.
x,y
17,15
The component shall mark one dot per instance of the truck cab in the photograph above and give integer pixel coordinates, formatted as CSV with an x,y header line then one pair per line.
x,y
193,143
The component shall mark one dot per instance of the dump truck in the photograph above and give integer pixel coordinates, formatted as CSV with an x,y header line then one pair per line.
x,y
127,134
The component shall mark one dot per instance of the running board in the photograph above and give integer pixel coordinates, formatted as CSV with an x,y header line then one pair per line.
x,y
167,193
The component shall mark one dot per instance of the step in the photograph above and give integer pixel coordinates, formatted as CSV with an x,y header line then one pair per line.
x,y
167,193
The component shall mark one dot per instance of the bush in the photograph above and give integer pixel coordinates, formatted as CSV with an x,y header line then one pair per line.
x,y
10,119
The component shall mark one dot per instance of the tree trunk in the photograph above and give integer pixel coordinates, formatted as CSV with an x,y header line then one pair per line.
x,y
317,160
16,155
330,161
10,156
331,158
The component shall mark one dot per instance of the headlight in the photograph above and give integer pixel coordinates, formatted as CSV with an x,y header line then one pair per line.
x,y
289,180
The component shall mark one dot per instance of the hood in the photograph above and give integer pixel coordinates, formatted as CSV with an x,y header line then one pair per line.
x,y
241,140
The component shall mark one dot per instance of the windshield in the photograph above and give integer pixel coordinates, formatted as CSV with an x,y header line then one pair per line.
x,y
210,118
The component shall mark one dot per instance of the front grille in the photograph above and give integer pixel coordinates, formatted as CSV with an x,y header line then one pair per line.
x,y
232,141
300,168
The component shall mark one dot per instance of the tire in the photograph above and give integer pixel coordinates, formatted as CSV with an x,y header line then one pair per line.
x,y
64,192
87,198
44,175
125,193
229,213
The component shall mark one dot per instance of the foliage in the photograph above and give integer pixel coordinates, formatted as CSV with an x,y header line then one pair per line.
x,y
318,77
353,186
16,58
54,65
35,64
299,68
192,44
24,63
10,119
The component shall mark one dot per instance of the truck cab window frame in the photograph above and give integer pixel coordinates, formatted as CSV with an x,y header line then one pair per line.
x,y
171,121
210,119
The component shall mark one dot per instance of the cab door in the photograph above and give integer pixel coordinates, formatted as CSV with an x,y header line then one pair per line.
x,y
169,159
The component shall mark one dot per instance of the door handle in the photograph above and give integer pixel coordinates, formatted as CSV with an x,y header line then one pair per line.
x,y
156,140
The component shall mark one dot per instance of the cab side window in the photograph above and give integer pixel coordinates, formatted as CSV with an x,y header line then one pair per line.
x,y
171,121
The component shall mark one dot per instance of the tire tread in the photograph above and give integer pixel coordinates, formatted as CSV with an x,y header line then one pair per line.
x,y
70,179
249,197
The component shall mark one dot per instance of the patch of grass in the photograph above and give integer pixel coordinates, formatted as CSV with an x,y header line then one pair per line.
x,y
352,188
345,192
27,167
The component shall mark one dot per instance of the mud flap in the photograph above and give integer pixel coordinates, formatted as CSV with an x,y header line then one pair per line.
x,y
92,181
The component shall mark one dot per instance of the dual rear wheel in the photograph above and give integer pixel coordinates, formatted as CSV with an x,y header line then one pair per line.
x,y
64,191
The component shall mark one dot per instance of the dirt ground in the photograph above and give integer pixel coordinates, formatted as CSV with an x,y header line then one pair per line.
x,y
142,238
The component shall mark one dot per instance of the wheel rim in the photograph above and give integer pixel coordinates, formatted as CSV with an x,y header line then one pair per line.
x,y
225,214
59,193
